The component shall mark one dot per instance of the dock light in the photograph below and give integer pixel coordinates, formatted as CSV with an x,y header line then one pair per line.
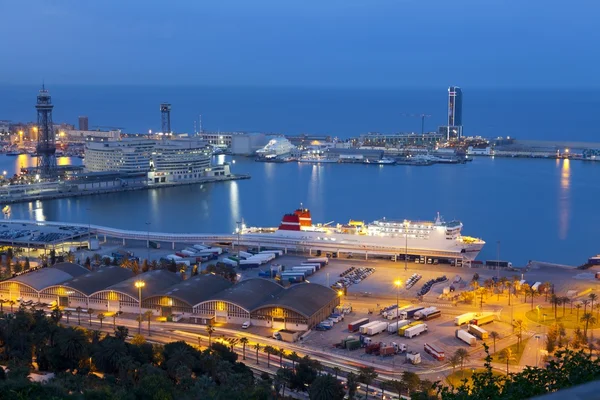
x,y
340,293
140,285
398,283
4,172
567,151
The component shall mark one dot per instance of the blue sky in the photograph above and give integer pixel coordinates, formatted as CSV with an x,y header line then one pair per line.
x,y
348,43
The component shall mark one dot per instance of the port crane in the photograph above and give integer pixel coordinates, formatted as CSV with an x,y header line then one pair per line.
x,y
422,116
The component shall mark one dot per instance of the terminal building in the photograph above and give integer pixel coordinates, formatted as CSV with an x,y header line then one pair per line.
x,y
200,299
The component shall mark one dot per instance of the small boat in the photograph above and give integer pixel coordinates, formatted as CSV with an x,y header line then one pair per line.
x,y
6,210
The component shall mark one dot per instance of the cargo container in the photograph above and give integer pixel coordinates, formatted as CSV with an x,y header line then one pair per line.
x,y
478,331
372,348
355,325
321,260
188,253
387,351
435,351
483,319
380,326
154,245
410,312
394,326
403,328
217,250
245,254
304,268
415,330
200,247
353,344
249,264
363,328
466,337
306,264
464,318
173,257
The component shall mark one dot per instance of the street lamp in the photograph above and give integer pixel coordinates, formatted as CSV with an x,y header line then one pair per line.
x,y
406,245
140,285
398,282
148,244
498,262
238,230
89,229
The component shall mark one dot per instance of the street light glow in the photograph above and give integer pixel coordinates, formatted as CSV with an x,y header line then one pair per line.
x,y
398,282
140,284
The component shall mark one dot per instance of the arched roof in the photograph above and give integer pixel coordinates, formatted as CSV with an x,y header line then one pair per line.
x,y
304,298
100,279
250,294
196,289
154,282
50,276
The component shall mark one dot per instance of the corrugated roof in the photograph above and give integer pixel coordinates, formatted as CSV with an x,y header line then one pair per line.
x,y
305,298
155,281
250,294
99,280
196,289
57,274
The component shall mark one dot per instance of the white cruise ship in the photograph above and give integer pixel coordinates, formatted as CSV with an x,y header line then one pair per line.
x,y
421,238
278,147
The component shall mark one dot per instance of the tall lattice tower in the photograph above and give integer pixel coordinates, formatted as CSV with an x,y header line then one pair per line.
x,y
46,147
165,116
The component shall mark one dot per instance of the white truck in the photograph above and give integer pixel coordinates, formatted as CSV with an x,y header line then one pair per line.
x,y
244,254
463,318
393,327
466,337
415,330
424,313
200,247
394,313
380,326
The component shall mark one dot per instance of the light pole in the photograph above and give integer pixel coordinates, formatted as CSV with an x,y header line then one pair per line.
x,y
239,232
140,285
398,282
405,246
148,244
89,229
498,258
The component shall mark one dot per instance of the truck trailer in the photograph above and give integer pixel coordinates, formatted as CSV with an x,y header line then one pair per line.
x,y
428,313
463,318
466,337
410,312
363,328
394,326
321,260
415,330
483,319
355,325
478,331
378,327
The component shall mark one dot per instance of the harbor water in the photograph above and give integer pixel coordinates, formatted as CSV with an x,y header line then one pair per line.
x,y
538,209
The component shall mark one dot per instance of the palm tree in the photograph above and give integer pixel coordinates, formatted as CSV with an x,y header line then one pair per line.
x,y
257,346
463,355
578,307
398,386
269,350
585,304
507,355
114,321
325,387
533,293
281,352
520,325
244,341
554,303
351,381
367,375
90,311
588,318
149,314
508,285
593,297
101,317
72,345
494,335
454,361
597,307
68,314
565,300
557,302
210,330
294,357
337,370
78,310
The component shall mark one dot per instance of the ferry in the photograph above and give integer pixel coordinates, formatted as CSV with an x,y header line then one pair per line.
x,y
387,236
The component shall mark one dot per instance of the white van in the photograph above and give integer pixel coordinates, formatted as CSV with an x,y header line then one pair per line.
x,y
246,325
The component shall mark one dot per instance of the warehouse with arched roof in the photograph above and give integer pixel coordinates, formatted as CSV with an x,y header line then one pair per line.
x,y
76,292
124,296
234,305
28,285
184,296
299,307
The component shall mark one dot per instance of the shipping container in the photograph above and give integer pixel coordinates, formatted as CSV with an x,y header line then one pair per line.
x,y
154,245
363,328
245,254
466,337
321,260
478,331
353,344
380,326
435,351
463,318
354,326
307,264
403,328
200,247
